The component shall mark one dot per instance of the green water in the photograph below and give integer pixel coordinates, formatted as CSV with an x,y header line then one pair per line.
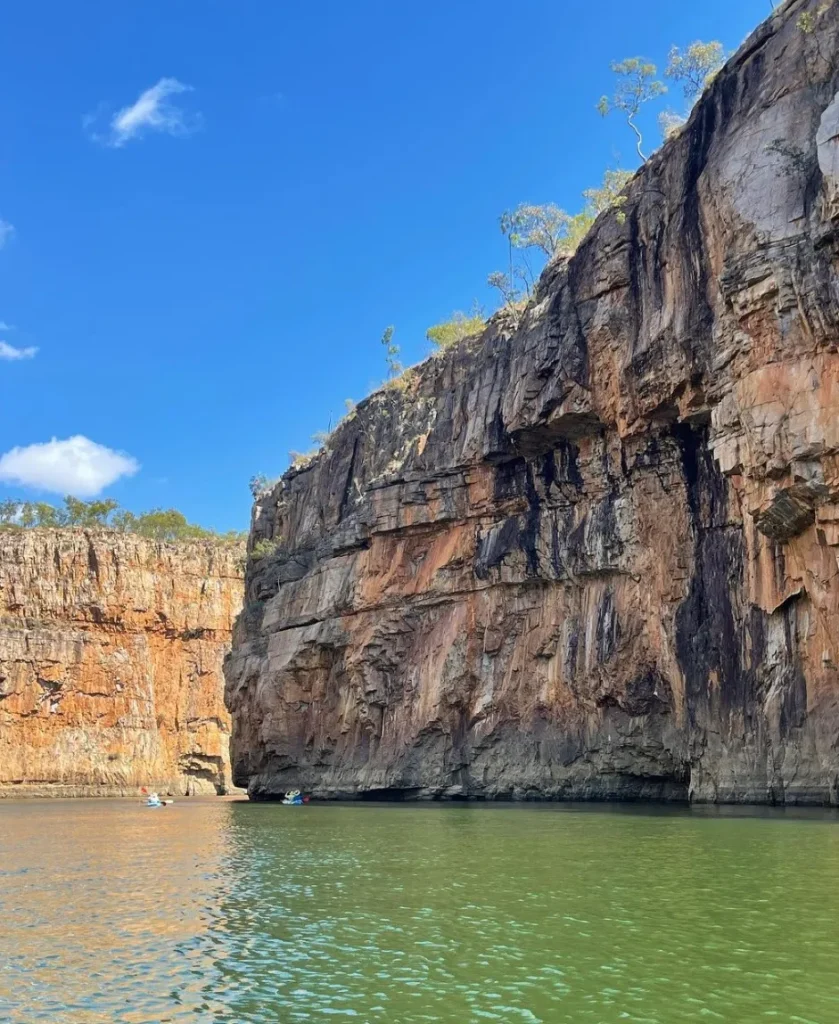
x,y
246,913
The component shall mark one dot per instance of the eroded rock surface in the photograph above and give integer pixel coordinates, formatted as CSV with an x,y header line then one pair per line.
x,y
111,650
594,556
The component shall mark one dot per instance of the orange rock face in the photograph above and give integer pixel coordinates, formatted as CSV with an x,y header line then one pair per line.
x,y
111,650
593,554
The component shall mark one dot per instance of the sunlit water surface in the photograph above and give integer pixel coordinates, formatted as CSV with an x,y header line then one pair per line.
x,y
243,913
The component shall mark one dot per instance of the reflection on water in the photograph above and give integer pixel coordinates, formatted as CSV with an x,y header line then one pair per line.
x,y
230,912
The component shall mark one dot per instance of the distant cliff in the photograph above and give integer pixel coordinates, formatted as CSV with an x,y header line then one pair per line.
x,y
111,651
595,555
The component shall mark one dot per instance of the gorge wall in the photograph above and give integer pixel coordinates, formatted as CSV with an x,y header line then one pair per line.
x,y
111,650
593,555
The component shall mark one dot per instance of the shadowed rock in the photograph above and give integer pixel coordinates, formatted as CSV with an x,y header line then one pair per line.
x,y
594,555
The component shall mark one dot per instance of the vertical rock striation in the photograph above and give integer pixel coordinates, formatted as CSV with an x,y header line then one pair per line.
x,y
111,651
596,555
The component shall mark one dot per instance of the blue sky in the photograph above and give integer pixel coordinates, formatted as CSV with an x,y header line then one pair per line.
x,y
205,291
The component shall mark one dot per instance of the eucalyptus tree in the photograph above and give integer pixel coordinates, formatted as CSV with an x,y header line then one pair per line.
x,y
636,85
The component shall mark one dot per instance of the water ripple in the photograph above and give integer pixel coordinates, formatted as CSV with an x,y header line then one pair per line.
x,y
232,913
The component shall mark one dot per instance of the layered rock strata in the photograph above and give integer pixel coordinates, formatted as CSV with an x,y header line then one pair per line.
x,y
111,650
594,554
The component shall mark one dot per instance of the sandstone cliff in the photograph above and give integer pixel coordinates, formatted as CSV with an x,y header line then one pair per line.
x,y
111,651
595,556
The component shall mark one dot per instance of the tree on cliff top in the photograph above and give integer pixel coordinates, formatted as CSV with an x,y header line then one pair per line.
x,y
513,299
546,228
394,367
696,66
551,230
636,85
88,513
158,524
609,194
259,483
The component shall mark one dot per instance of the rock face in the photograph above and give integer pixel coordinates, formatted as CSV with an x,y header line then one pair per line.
x,y
111,650
593,556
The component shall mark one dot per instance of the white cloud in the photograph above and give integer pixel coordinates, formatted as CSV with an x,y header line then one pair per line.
x,y
75,466
5,327
6,232
153,111
8,351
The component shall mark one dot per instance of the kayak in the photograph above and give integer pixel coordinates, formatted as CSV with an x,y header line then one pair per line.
x,y
294,798
155,801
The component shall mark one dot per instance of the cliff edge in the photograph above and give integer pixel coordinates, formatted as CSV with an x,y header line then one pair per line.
x,y
111,651
594,556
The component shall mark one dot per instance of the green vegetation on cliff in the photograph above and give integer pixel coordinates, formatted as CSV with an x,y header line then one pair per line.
x,y
538,233
460,325
105,514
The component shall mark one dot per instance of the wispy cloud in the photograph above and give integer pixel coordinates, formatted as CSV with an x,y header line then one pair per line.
x,y
6,232
9,352
152,111
76,466
5,327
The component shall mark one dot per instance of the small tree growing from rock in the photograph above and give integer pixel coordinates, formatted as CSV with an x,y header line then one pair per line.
x,y
696,66
671,123
260,483
394,367
263,548
511,297
808,21
546,228
637,84
608,195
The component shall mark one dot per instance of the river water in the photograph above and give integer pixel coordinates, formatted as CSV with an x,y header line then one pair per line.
x,y
244,913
